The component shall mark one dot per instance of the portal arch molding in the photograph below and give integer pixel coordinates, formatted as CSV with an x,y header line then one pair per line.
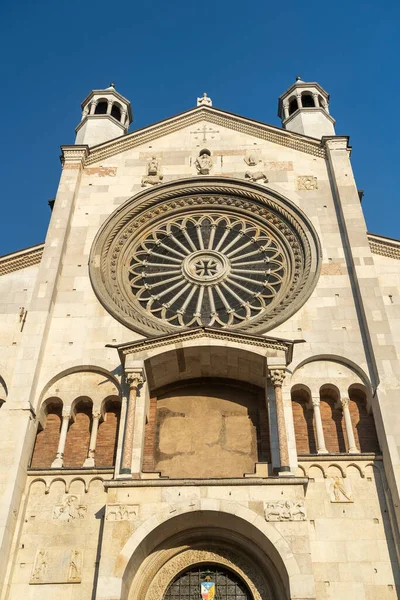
x,y
203,531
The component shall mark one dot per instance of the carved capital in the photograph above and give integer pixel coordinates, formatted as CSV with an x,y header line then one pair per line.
x,y
66,413
344,402
277,377
135,378
315,401
96,414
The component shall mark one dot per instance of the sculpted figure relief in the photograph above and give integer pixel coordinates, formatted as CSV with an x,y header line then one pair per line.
x,y
69,508
204,101
252,159
285,511
204,162
40,567
153,176
74,573
256,176
307,182
121,512
338,491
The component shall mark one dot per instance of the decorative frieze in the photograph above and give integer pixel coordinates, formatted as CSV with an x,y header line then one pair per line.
x,y
21,260
199,114
121,512
285,510
388,248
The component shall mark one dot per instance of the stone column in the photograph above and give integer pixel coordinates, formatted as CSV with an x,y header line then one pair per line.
x,y
59,459
90,460
349,426
321,448
277,376
286,109
92,107
315,98
109,107
299,101
135,379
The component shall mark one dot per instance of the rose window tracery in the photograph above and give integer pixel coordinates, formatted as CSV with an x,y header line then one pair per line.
x,y
210,271
218,253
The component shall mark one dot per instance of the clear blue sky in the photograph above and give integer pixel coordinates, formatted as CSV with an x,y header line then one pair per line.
x,y
162,55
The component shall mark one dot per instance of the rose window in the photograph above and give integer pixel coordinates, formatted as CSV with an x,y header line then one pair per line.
x,y
212,271
205,253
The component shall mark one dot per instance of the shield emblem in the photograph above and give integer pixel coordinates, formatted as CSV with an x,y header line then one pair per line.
x,y
207,590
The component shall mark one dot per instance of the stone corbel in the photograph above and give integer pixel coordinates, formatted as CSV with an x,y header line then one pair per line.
x,y
74,157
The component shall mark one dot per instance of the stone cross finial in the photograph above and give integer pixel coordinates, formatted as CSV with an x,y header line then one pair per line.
x,y
204,101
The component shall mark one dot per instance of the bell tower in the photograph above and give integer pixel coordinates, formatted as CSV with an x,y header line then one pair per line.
x,y
304,108
105,115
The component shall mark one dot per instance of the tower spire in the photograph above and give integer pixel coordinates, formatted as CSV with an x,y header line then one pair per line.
x,y
304,108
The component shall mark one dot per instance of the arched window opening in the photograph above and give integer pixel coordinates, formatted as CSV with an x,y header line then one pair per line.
x,y
303,419
307,101
293,106
47,437
363,422
107,437
191,583
78,437
101,108
116,112
234,435
332,420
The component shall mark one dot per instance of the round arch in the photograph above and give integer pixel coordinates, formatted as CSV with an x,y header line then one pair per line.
x,y
342,360
78,368
158,539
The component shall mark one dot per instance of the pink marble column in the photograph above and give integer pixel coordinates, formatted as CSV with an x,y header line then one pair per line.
x,y
135,379
276,377
90,460
349,426
58,462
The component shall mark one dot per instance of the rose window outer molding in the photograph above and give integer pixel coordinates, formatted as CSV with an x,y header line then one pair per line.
x,y
217,253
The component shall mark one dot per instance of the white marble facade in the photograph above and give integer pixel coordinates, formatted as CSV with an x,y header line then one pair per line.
x,y
316,525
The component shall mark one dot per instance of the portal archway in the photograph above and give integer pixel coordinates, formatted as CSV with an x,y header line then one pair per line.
x,y
209,533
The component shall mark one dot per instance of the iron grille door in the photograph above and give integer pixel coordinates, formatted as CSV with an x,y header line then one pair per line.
x,y
187,586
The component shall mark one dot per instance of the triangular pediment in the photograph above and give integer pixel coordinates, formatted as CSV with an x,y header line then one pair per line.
x,y
263,344
213,116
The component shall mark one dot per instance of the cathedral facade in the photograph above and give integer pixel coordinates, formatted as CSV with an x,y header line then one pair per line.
x,y
199,368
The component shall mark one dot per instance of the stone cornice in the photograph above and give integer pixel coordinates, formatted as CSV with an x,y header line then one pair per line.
x,y
268,343
211,115
246,481
21,259
384,246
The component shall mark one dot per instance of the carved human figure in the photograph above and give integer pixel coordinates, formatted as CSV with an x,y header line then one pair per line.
x,y
252,158
153,176
68,509
204,162
339,491
40,568
74,567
